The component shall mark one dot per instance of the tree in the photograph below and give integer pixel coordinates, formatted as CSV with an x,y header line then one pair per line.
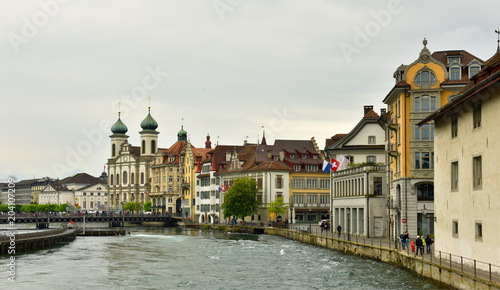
x,y
277,207
130,206
147,206
241,199
62,207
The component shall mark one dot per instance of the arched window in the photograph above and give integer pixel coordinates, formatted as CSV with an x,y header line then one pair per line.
x,y
111,179
132,178
117,179
125,176
153,146
113,150
425,191
142,177
425,78
143,146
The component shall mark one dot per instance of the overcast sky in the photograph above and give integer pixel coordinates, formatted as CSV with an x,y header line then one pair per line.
x,y
301,69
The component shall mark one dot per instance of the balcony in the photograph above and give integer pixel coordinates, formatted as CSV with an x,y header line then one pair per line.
x,y
393,123
392,149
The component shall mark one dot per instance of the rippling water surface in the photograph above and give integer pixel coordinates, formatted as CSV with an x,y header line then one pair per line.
x,y
169,258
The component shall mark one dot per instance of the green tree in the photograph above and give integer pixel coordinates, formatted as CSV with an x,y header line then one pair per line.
x,y
62,208
4,208
241,199
130,206
147,206
277,207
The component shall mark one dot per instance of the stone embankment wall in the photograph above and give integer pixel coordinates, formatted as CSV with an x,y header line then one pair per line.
x,y
424,268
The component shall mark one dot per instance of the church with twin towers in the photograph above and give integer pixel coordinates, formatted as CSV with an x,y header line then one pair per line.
x,y
148,173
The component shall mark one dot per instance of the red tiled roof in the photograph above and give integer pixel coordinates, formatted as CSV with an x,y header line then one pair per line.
x,y
371,114
402,83
465,59
488,76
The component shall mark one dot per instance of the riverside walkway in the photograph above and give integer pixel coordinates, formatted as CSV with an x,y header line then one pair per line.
x,y
469,267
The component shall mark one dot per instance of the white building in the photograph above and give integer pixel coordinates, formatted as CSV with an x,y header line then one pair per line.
x,y
92,197
466,174
359,194
208,190
56,193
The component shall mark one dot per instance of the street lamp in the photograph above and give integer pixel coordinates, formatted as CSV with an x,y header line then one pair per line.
x,y
309,218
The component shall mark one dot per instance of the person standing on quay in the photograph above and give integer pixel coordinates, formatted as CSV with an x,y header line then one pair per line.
x,y
339,229
428,242
403,240
420,245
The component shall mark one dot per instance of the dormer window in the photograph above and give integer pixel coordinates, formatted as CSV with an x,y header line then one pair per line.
x,y
455,73
315,156
452,59
292,156
304,156
275,158
473,70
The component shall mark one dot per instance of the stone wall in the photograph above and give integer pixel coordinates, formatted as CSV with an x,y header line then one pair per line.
x,y
430,270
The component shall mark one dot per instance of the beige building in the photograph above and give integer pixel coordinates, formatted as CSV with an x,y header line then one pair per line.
x,y
129,168
466,140
167,170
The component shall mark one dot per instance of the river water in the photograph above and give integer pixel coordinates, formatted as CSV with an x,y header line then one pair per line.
x,y
172,258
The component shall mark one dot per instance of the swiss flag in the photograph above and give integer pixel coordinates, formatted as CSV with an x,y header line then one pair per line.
x,y
335,165
223,188
147,192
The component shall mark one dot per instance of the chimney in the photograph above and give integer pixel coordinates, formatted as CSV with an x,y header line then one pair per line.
x,y
282,155
382,111
367,109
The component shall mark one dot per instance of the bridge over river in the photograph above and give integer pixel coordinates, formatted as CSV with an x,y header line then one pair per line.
x,y
114,220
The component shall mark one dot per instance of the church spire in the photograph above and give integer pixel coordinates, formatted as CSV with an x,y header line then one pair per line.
x,y
263,137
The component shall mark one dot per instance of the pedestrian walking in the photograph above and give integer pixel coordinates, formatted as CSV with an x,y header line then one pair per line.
x,y
428,242
339,229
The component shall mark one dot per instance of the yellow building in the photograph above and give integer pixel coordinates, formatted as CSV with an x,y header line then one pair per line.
x,y
166,192
309,195
192,159
421,87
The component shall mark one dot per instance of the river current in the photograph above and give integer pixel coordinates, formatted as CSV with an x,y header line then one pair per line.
x,y
172,258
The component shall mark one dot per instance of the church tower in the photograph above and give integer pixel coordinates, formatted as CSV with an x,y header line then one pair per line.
x,y
149,135
119,137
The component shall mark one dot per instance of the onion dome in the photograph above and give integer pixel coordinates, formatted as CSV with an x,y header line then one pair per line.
x,y
119,127
182,135
149,123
